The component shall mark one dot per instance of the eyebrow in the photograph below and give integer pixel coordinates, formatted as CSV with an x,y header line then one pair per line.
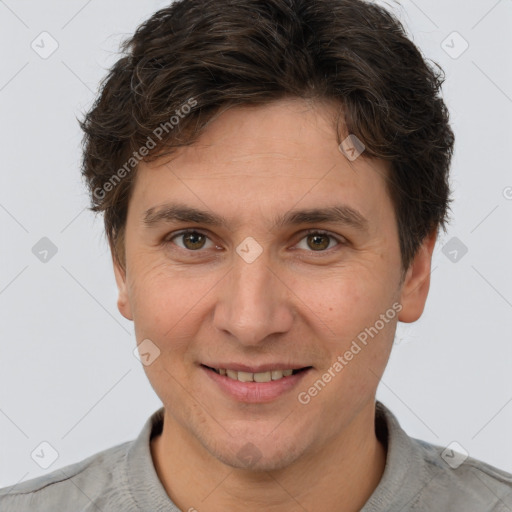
x,y
177,212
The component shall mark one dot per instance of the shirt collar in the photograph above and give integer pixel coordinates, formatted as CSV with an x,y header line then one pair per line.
x,y
405,467
144,485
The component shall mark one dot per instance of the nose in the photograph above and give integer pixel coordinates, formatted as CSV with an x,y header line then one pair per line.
x,y
253,302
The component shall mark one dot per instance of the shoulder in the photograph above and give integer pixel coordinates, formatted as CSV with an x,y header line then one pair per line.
x,y
85,485
421,476
460,482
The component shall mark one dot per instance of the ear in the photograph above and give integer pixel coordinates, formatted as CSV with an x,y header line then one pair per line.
x,y
417,281
123,302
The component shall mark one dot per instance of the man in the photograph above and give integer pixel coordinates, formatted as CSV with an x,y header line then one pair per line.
x,y
273,176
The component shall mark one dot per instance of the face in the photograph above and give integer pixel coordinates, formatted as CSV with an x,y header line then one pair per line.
x,y
263,281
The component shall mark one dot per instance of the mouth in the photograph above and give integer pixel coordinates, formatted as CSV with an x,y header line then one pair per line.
x,y
267,376
255,387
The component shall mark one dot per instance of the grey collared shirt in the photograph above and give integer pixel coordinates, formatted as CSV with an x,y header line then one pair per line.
x,y
418,477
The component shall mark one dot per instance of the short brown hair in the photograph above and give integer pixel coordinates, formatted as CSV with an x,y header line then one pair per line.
x,y
214,54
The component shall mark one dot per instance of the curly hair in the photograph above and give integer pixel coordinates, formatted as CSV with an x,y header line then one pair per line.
x,y
195,57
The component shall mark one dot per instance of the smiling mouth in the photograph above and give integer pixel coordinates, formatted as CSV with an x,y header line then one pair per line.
x,y
268,376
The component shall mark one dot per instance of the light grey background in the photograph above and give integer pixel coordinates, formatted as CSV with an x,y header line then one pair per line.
x,y
68,375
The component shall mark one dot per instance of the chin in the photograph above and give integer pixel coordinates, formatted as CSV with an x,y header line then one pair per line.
x,y
251,458
259,454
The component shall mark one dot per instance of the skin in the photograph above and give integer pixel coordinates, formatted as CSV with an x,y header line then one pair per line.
x,y
295,303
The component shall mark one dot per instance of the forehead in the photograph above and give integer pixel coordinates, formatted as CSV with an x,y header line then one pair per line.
x,y
273,156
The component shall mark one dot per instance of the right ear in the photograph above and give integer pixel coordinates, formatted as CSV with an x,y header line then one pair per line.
x,y
123,300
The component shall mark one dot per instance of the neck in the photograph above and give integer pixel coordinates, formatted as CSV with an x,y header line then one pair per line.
x,y
343,470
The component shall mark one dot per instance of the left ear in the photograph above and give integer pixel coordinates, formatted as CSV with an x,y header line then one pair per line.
x,y
417,281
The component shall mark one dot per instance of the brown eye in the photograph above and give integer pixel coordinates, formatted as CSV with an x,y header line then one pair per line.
x,y
193,240
189,240
318,241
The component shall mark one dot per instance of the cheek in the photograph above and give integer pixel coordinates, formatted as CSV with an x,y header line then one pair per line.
x,y
164,313
348,314
346,301
166,305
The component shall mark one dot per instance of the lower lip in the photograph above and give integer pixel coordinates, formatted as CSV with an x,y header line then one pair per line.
x,y
256,392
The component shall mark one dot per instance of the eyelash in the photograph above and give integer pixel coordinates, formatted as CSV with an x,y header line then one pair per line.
x,y
340,240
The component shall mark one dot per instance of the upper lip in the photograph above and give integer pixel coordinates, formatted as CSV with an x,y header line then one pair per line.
x,y
260,368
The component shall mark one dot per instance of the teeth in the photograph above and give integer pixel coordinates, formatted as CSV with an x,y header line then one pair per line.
x,y
254,377
245,376
263,377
